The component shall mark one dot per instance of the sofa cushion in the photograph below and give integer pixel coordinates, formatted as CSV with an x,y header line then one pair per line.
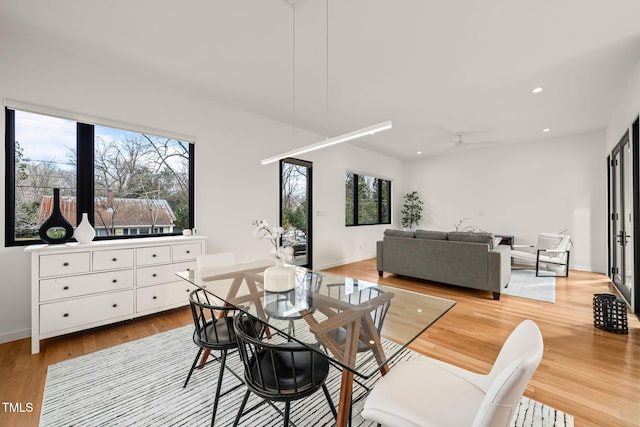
x,y
470,236
431,235
399,233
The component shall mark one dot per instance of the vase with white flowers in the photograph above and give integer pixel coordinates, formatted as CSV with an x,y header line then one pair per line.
x,y
280,277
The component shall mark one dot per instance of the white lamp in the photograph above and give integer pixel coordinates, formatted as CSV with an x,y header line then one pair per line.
x,y
369,130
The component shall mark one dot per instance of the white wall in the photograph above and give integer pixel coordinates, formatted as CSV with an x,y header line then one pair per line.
x,y
232,189
626,111
521,189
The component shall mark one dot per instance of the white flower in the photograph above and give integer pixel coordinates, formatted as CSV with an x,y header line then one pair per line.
x,y
261,230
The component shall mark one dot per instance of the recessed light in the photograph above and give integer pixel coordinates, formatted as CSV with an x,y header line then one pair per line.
x,y
545,130
419,152
537,90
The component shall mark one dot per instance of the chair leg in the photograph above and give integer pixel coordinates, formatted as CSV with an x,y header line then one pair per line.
x,y
195,362
287,406
242,405
223,360
331,405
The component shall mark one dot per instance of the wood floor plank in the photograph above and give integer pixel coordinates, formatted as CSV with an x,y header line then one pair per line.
x,y
589,373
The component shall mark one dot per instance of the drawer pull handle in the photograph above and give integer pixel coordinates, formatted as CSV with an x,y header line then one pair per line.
x,y
154,275
65,315
114,305
188,251
114,259
153,256
66,264
66,288
114,281
155,297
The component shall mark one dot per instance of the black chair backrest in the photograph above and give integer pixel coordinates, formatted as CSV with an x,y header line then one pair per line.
x,y
213,322
360,295
285,371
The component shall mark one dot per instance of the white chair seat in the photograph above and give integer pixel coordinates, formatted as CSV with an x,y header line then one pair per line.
x,y
528,256
426,392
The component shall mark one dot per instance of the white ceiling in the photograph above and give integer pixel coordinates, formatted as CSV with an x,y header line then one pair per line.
x,y
433,67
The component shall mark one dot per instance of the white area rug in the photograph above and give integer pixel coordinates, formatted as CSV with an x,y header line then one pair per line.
x,y
140,383
525,284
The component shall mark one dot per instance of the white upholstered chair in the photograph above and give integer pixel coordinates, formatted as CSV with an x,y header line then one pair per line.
x,y
427,392
551,251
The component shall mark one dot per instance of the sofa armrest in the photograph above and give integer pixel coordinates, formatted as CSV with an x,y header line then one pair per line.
x,y
499,267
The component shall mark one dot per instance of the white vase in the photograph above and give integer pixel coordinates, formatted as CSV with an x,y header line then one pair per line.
x,y
279,278
84,232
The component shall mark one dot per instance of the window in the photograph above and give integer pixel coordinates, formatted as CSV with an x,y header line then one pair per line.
x,y
132,184
367,200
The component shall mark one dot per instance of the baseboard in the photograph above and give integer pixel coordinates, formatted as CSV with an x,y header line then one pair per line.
x,y
341,262
15,335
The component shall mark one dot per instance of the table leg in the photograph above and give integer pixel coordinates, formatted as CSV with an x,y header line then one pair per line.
x,y
205,356
344,404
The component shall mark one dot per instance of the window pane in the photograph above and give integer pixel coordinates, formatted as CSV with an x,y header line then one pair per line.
x,y
348,211
385,215
367,200
373,204
45,158
141,183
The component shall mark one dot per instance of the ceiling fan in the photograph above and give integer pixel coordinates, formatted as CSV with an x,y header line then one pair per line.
x,y
460,143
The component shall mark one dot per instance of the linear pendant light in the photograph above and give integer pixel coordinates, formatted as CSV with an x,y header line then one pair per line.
x,y
369,130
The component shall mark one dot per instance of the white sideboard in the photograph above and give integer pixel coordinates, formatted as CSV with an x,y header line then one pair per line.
x,y
80,286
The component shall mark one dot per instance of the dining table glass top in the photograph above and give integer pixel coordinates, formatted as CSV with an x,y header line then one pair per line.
x,y
359,325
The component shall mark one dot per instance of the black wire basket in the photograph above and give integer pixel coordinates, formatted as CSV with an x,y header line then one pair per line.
x,y
610,313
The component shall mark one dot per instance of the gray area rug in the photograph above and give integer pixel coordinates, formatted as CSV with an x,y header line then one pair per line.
x,y
525,284
140,383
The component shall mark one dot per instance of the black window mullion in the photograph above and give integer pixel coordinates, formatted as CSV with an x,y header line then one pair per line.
x,y
379,185
85,183
10,174
356,180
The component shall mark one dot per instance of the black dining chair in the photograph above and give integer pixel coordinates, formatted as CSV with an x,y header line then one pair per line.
x,y
358,295
213,331
278,372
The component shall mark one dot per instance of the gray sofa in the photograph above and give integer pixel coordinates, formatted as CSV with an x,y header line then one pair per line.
x,y
472,260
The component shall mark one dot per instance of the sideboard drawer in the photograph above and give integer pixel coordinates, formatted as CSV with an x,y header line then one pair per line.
x,y
61,264
157,274
167,294
110,260
57,316
73,286
186,251
153,255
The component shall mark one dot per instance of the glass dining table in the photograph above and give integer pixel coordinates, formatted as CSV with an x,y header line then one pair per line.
x,y
358,325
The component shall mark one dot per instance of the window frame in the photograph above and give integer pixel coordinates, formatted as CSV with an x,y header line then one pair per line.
x,y
382,213
85,177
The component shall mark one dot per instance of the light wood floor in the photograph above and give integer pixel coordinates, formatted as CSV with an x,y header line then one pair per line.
x,y
591,374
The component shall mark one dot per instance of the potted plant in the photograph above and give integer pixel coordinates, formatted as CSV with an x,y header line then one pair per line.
x,y
411,210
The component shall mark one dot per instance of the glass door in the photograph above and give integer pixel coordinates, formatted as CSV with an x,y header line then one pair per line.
x,y
621,217
296,209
